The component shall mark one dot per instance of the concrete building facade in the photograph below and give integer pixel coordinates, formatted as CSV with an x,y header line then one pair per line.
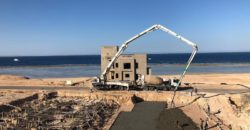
x,y
126,68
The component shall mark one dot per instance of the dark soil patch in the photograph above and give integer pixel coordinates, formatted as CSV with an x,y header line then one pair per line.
x,y
175,119
144,116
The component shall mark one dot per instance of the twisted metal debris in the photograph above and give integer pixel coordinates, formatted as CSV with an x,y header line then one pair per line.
x,y
59,113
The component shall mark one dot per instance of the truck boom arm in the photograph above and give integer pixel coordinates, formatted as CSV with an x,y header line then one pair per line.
x,y
150,29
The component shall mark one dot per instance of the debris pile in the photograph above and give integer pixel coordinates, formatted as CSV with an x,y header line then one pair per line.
x,y
59,113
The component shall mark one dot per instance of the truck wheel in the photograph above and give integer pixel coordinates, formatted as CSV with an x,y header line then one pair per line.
x,y
172,88
150,88
145,88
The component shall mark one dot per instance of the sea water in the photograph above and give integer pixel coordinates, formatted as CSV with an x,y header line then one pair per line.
x,y
89,65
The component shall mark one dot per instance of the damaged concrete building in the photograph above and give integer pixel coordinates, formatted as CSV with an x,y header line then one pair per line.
x,y
128,67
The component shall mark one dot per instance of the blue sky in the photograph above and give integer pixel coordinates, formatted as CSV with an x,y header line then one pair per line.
x,y
74,27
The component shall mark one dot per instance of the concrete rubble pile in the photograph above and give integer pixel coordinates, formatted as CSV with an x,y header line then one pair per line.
x,y
59,113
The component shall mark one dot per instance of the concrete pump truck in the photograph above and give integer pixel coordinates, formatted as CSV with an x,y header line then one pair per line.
x,y
144,81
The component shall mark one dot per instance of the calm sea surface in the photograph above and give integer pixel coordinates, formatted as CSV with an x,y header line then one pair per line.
x,y
89,65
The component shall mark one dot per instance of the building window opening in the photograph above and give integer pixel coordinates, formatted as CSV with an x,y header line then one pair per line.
x,y
116,65
127,75
112,76
136,65
126,65
137,76
116,75
148,70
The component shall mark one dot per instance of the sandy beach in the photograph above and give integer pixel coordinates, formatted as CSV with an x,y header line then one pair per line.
x,y
201,79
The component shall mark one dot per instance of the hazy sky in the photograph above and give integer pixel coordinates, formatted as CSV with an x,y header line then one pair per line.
x,y
68,27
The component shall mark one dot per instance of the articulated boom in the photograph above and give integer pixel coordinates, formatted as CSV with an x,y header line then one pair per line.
x,y
151,29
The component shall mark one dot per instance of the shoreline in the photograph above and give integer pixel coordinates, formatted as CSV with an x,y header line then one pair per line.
x,y
149,64
193,78
71,71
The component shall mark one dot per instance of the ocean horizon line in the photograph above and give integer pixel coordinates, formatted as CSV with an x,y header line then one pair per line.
x,y
149,65
14,56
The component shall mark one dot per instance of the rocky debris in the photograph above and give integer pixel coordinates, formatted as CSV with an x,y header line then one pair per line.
x,y
59,113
